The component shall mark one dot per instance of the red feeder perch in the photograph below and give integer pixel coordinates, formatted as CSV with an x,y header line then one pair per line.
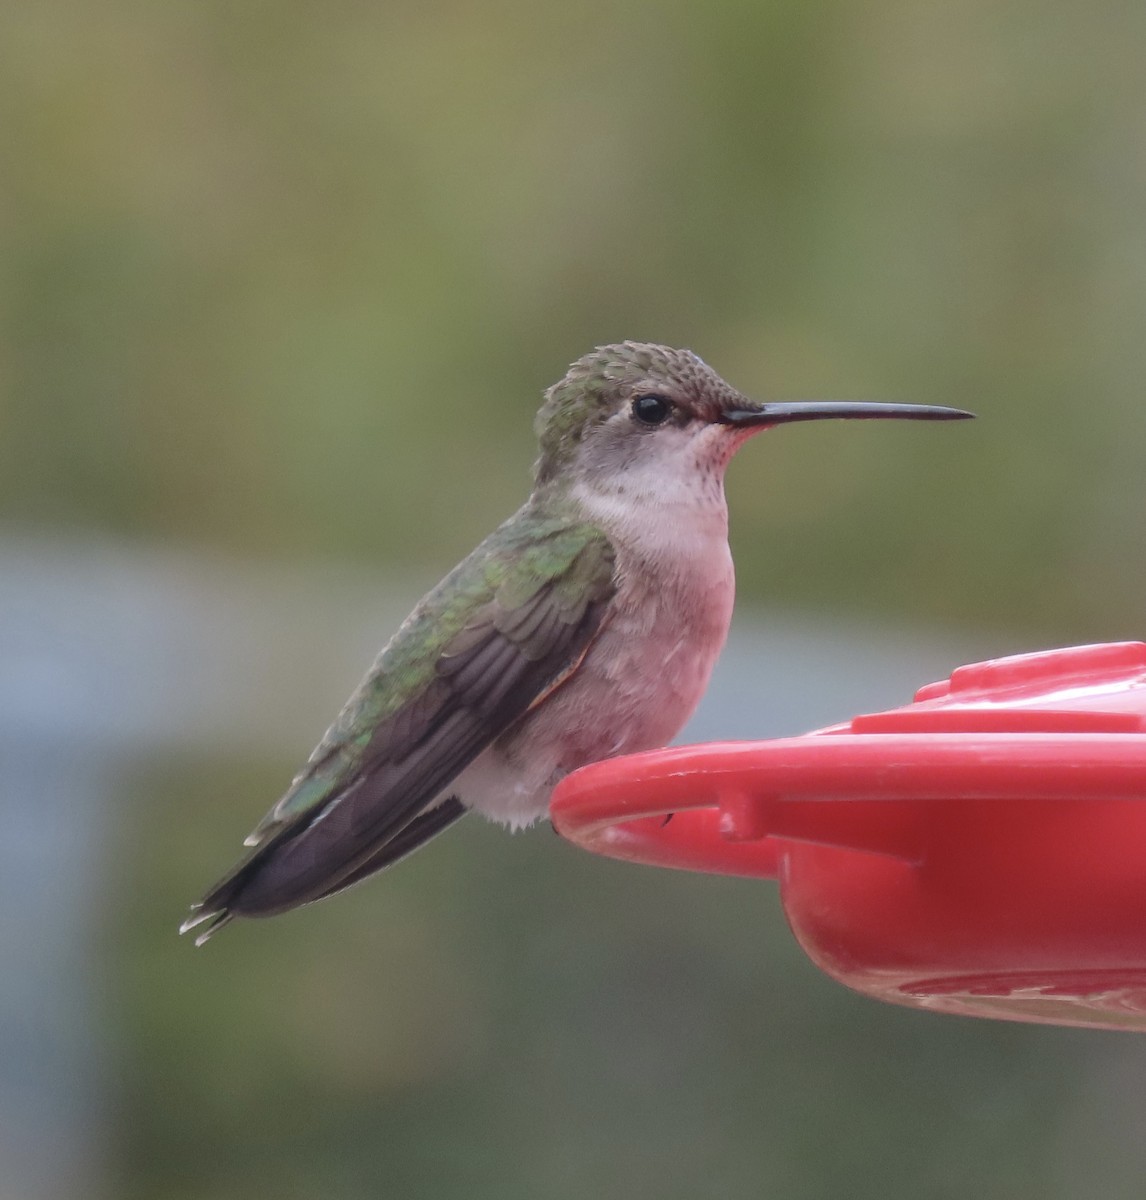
x,y
979,851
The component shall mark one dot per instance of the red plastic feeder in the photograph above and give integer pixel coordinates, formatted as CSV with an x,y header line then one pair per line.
x,y
980,851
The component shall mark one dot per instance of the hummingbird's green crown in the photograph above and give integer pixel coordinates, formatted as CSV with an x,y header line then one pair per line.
x,y
595,386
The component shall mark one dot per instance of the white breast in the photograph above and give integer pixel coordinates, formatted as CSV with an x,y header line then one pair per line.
x,y
649,666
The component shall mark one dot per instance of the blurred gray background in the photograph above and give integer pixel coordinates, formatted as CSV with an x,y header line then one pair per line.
x,y
281,287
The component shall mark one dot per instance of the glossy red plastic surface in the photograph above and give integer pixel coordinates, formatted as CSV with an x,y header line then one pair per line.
x,y
980,851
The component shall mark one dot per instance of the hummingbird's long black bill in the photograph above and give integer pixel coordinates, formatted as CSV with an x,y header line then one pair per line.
x,y
783,411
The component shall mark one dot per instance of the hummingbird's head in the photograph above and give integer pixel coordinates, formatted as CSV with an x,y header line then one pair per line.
x,y
637,410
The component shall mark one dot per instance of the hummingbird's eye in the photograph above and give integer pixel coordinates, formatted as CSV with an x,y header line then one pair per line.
x,y
652,410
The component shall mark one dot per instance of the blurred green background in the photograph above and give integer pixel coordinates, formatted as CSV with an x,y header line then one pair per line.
x,y
282,284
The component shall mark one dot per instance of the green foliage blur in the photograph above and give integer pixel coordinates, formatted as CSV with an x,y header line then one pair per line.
x,y
278,276
285,281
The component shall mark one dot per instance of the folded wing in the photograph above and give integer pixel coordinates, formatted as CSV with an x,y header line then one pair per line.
x,y
506,626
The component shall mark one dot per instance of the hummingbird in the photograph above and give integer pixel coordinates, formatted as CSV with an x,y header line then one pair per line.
x,y
584,627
